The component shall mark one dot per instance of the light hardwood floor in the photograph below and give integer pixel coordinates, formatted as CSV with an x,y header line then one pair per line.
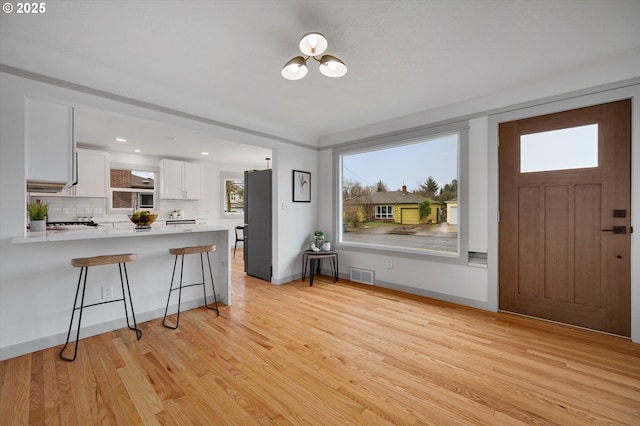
x,y
331,354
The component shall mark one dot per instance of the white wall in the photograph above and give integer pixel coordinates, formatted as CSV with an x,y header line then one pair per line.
x,y
295,222
478,184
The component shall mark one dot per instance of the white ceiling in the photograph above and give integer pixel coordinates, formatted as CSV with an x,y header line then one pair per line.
x,y
95,128
221,60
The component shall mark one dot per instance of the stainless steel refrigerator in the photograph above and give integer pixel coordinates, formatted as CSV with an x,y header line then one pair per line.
x,y
257,223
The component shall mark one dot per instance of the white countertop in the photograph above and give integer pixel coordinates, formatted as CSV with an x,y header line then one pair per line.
x,y
108,232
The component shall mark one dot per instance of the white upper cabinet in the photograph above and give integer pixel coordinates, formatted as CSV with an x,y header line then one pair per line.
x,y
171,179
180,180
50,143
93,174
193,181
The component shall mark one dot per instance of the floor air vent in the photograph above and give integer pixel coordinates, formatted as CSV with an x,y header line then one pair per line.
x,y
361,275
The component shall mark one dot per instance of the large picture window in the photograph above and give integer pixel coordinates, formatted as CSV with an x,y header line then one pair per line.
x,y
402,197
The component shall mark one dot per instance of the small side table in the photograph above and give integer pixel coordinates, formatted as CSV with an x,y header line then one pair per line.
x,y
313,258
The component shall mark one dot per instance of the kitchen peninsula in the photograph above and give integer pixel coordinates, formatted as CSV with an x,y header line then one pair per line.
x,y
43,293
99,232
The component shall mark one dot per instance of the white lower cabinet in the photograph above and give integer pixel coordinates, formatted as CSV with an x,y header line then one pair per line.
x,y
180,180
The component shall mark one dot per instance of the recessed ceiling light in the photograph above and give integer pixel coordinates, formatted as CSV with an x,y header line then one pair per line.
x,y
136,150
121,139
205,153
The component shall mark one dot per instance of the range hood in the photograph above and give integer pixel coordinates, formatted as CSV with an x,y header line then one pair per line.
x,y
45,186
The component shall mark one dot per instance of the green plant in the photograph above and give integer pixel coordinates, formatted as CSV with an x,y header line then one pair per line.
x,y
424,209
37,210
318,237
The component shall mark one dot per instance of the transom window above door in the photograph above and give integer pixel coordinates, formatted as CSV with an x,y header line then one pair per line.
x,y
570,148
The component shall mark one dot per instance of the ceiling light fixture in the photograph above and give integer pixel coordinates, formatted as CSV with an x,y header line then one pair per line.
x,y
121,140
313,45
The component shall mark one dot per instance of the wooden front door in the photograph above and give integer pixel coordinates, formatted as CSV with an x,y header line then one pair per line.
x,y
564,232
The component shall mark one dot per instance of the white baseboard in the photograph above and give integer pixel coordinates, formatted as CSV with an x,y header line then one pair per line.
x,y
92,330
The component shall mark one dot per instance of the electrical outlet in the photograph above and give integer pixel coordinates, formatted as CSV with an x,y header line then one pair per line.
x,y
97,210
107,292
389,263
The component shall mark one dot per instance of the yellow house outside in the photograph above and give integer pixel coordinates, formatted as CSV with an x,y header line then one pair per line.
x,y
393,206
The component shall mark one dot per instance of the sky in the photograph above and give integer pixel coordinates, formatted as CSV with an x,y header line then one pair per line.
x,y
409,165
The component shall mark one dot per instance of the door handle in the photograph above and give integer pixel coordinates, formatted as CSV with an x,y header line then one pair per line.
x,y
617,230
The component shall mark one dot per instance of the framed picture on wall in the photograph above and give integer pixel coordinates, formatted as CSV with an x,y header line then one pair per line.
x,y
301,187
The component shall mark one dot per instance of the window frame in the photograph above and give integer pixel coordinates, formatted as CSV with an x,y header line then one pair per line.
x,y
397,139
388,211
132,167
225,176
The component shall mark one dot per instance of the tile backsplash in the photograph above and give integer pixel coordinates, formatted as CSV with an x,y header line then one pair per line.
x,y
71,208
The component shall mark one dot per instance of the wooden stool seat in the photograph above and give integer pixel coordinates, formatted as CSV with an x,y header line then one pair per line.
x,y
79,303
182,251
83,262
191,250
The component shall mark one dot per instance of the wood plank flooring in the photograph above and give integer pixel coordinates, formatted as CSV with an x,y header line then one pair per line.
x,y
331,354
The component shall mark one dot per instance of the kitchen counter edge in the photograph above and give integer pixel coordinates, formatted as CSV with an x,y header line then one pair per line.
x,y
105,232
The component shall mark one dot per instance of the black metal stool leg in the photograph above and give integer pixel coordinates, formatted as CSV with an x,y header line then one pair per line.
x,y
75,304
121,267
213,287
169,297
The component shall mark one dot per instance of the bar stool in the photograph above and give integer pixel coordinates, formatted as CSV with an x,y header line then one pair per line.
x,y
84,263
181,252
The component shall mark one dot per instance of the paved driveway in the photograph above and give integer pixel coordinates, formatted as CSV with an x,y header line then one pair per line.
x,y
441,237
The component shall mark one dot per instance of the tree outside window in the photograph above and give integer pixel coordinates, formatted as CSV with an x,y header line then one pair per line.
x,y
234,196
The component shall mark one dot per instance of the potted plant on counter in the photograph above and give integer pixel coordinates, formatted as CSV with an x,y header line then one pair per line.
x,y
38,216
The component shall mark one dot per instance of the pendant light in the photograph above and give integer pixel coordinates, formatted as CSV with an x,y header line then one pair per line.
x,y
295,69
313,45
332,66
